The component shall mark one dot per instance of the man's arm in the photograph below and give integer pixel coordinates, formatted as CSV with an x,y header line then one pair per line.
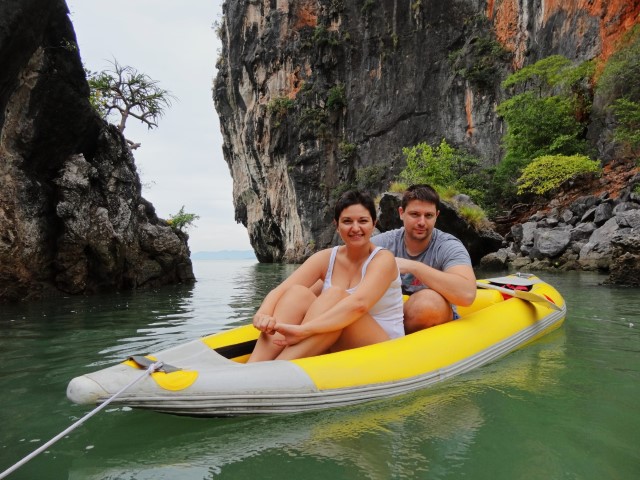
x,y
457,284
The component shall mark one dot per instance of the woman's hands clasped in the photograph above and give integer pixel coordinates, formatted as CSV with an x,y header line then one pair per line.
x,y
265,323
289,334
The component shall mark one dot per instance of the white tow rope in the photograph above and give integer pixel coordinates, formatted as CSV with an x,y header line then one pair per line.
x,y
152,368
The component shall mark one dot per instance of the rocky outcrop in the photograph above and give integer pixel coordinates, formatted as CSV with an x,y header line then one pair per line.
x,y
590,233
625,268
317,96
71,213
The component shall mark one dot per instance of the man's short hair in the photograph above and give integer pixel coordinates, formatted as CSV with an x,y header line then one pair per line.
x,y
421,192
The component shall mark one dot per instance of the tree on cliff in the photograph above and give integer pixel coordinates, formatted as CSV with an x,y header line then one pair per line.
x,y
546,114
124,91
619,88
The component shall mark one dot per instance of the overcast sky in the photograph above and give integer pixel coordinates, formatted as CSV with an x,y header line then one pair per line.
x,y
180,162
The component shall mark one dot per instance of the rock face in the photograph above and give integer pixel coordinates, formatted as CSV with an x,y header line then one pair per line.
x,y
590,233
71,213
317,96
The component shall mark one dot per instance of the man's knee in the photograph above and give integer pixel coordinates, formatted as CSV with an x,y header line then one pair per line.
x,y
426,309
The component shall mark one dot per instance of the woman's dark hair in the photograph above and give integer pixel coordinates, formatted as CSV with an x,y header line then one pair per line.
x,y
354,197
421,192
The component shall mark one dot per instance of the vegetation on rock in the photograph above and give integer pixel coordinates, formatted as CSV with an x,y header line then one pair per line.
x,y
546,115
122,90
548,172
336,98
619,85
479,61
444,167
181,221
473,214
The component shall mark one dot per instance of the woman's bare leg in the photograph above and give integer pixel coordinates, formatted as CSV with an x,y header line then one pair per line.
x,y
291,308
364,331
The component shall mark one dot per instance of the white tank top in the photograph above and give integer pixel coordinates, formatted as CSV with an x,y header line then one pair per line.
x,y
388,310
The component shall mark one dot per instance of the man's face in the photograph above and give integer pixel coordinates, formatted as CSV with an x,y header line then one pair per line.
x,y
419,219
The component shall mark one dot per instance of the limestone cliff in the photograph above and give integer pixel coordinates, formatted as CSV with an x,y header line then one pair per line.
x,y
72,219
315,95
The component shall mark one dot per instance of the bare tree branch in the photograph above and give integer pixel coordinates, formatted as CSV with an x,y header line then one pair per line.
x,y
123,91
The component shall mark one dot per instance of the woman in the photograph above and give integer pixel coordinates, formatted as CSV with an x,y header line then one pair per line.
x,y
360,303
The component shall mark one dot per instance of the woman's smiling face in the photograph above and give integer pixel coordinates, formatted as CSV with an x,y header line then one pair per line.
x,y
355,224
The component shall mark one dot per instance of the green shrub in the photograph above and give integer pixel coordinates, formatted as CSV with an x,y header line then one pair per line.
x,y
398,187
444,167
473,214
280,106
548,116
371,178
322,36
482,61
336,98
541,76
181,220
627,115
548,172
426,164
619,86
447,193
314,121
539,126
621,75
347,150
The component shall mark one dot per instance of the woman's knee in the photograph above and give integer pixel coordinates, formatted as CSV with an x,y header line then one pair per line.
x,y
297,294
325,301
298,291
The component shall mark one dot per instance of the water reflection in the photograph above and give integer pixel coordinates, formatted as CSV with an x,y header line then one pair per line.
x,y
251,286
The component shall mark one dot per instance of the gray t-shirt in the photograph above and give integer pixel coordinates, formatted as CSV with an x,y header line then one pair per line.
x,y
444,251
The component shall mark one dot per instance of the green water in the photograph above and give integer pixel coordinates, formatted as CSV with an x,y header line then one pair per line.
x,y
565,407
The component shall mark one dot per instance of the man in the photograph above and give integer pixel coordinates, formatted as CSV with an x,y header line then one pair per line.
x,y
435,266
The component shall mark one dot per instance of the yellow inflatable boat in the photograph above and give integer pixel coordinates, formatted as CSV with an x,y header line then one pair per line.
x,y
208,376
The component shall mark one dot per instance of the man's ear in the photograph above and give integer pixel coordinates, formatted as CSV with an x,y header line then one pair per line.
x,y
400,211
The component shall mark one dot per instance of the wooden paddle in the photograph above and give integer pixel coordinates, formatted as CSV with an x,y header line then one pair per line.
x,y
528,296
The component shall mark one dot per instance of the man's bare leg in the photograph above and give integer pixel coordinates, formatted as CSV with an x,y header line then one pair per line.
x,y
425,308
